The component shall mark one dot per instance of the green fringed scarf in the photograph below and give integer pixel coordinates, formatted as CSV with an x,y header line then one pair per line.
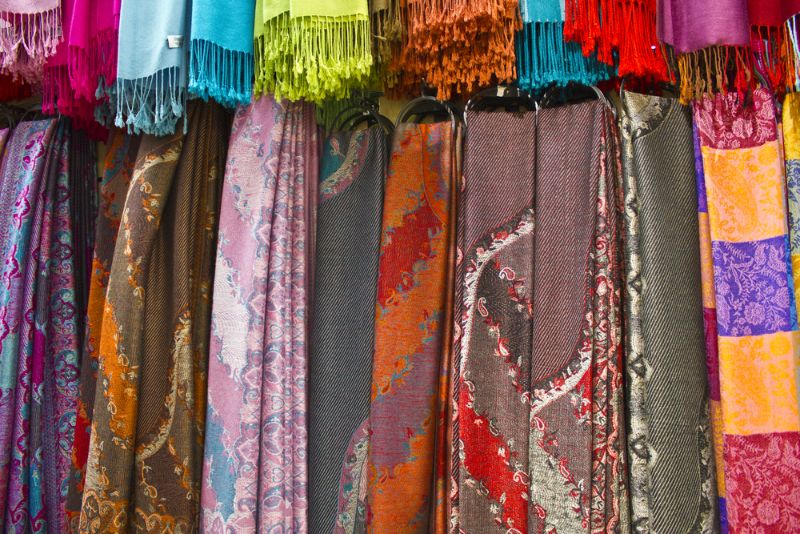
x,y
312,49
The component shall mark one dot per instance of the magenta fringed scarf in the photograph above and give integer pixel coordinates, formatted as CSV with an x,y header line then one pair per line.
x,y
93,47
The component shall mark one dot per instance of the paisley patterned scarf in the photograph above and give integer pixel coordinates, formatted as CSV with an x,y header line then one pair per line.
x,y
753,374
146,446
254,470
411,360
577,442
118,168
352,174
30,32
669,436
493,316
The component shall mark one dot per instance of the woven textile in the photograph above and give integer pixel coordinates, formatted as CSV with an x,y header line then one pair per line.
x,y
146,446
577,442
117,171
31,31
254,470
352,175
669,434
92,42
411,318
756,316
494,325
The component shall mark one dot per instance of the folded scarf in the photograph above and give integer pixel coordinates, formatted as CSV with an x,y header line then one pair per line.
x,y
352,174
669,435
756,316
30,32
618,31
151,65
577,483
254,470
117,172
411,318
27,160
312,49
492,347
93,35
145,452
544,57
221,51
459,46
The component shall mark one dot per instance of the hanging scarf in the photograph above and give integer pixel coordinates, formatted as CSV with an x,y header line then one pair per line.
x,y
145,451
669,440
118,168
312,49
352,173
254,472
618,31
577,444
92,39
494,325
755,309
11,89
457,47
221,52
151,65
25,164
30,32
388,30
58,94
544,57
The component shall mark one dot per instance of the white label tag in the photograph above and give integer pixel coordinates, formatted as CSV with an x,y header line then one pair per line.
x,y
174,41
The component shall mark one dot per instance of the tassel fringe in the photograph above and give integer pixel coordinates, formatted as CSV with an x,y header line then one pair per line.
x,y
715,70
224,75
313,58
151,105
58,97
93,70
27,40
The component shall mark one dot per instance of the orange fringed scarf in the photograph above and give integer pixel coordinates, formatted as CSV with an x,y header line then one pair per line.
x,y
627,27
456,46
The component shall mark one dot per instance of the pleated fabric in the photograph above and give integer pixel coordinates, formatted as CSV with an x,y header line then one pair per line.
x,y
352,174
669,433
409,385
577,442
254,470
493,332
756,319
146,446
113,188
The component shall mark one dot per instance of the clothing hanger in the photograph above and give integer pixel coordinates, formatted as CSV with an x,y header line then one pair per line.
x,y
508,98
351,117
571,93
424,106
666,88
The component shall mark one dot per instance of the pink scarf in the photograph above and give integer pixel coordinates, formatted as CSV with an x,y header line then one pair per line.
x,y
93,46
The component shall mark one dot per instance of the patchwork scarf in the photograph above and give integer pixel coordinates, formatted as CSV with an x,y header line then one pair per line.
x,y
30,32
577,460
117,171
755,364
457,47
221,51
312,49
254,470
146,446
352,175
618,31
494,321
92,39
411,357
28,159
669,436
151,65
544,57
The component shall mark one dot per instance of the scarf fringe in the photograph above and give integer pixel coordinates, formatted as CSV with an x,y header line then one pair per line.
x,y
222,74
93,69
640,54
151,105
544,58
27,40
791,53
313,58
388,31
59,97
709,71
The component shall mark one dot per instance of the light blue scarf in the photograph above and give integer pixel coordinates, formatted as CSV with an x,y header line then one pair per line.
x,y
221,65
544,58
151,65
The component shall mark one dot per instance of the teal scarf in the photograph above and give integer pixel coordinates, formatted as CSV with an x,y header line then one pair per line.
x,y
544,58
